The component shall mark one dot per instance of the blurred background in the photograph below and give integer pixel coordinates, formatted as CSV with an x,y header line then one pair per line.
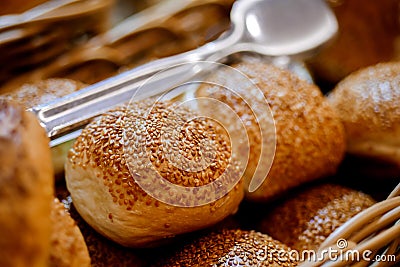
x,y
90,40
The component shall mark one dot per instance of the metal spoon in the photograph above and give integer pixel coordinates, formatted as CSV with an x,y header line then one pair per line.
x,y
8,22
268,27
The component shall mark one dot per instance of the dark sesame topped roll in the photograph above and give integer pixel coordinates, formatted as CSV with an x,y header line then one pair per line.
x,y
305,220
232,248
151,171
310,141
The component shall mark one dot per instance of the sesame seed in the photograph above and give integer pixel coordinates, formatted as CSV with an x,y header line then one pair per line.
x,y
229,248
113,146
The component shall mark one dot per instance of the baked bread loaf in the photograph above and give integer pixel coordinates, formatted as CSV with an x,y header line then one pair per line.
x,y
306,219
232,248
159,145
68,248
310,140
26,188
368,103
41,92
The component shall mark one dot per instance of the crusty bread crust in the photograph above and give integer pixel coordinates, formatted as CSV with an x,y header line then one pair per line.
x,y
41,92
68,248
100,169
231,248
26,188
307,218
368,102
310,140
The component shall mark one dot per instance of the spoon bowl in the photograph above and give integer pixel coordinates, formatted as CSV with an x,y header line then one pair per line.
x,y
283,27
268,27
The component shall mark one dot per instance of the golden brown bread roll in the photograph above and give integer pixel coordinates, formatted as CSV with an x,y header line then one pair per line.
x,y
310,140
368,103
26,188
160,149
41,92
232,248
68,248
306,219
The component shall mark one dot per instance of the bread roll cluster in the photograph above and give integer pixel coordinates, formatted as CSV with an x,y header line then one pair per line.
x,y
251,168
299,223
147,174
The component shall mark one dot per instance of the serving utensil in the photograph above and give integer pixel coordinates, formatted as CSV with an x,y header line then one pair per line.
x,y
162,30
268,27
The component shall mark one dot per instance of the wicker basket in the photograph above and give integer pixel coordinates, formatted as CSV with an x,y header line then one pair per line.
x,y
371,238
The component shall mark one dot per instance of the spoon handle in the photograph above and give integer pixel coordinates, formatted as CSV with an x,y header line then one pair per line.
x,y
13,21
74,110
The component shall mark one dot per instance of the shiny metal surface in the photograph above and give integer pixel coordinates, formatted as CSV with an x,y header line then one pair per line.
x,y
268,27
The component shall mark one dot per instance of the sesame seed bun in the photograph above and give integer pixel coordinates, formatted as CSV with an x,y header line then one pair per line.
x,y
231,248
306,219
26,188
68,248
127,146
368,103
310,140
